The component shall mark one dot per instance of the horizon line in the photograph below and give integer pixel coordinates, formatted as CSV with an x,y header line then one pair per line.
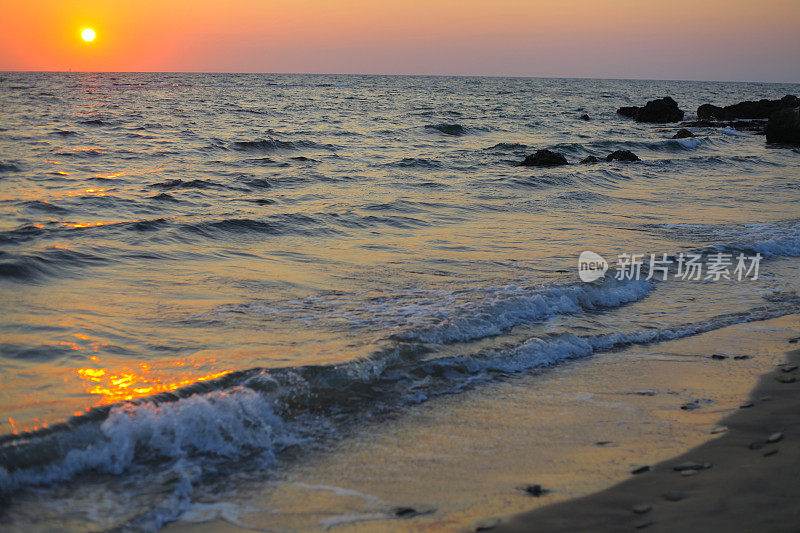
x,y
521,76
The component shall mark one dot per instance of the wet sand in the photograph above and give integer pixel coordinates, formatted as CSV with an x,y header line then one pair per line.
x,y
751,485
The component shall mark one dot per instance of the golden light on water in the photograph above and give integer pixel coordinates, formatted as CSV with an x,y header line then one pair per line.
x,y
136,382
88,35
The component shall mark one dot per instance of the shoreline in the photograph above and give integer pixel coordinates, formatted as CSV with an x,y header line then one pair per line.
x,y
427,461
751,484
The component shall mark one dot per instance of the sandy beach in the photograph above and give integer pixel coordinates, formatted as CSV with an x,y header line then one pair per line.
x,y
745,480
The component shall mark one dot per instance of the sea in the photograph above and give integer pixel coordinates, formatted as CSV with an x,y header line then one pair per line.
x,y
204,275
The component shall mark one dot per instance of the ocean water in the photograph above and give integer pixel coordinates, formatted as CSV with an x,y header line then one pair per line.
x,y
205,274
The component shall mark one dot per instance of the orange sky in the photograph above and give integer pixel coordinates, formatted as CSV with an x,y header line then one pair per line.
x,y
682,39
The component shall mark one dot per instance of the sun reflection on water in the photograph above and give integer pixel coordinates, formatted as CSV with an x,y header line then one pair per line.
x,y
128,383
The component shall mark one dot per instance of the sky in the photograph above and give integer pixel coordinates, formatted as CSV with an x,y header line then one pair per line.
x,y
739,40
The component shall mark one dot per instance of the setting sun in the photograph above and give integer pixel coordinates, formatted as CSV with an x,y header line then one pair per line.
x,y
88,35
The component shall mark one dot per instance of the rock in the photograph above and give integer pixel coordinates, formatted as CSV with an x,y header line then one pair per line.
x,y
748,109
683,133
755,126
746,405
719,357
691,466
448,129
622,155
590,159
775,437
770,453
545,158
794,340
535,490
642,508
784,126
691,406
585,117
717,431
786,379
643,524
405,512
741,357
627,111
709,111
756,445
661,110
602,442
674,495
788,368
641,470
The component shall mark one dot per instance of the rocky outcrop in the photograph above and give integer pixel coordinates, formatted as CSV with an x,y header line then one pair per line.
x,y
545,158
622,155
683,133
661,110
628,111
619,155
756,125
748,109
784,126
585,117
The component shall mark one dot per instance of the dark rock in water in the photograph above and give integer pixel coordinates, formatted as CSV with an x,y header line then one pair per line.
x,y
535,490
642,508
794,340
590,159
757,445
585,117
784,126
641,470
602,442
763,108
643,524
756,126
683,133
545,158
691,466
709,111
448,129
719,357
622,155
661,110
770,453
405,512
628,111
747,405
786,379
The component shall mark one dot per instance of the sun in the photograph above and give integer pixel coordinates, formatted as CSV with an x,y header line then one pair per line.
x,y
88,35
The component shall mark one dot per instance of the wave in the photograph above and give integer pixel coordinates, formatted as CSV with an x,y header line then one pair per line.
x,y
9,167
448,129
30,266
271,145
415,162
513,306
95,122
775,239
258,413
